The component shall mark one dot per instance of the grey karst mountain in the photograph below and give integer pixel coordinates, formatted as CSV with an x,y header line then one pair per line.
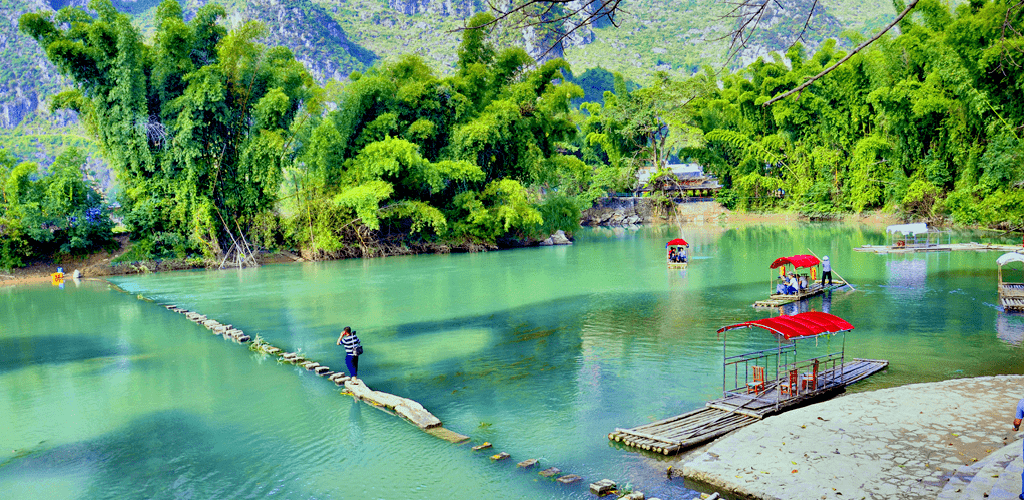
x,y
332,38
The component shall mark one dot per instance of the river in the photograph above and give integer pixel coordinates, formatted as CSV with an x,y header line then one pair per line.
x,y
539,351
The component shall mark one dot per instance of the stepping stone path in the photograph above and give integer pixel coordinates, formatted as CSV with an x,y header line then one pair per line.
x,y
408,409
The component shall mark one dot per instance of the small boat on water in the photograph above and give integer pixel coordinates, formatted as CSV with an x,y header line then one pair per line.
x,y
676,253
807,282
1011,294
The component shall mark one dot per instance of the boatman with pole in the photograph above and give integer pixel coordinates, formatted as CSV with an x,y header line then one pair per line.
x,y
1017,417
826,271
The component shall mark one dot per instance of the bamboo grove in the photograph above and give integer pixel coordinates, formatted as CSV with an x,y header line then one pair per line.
x,y
927,123
217,138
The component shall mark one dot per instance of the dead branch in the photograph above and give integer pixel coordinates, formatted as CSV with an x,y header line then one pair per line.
x,y
522,16
860,47
1008,26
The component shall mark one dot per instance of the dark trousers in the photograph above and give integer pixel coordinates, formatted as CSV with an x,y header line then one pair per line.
x,y
352,362
826,274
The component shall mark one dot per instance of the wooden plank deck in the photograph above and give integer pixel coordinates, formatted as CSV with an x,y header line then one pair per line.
x,y
1012,304
778,300
722,416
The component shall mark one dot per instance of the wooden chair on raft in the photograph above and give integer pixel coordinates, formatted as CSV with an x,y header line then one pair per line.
x,y
758,384
789,385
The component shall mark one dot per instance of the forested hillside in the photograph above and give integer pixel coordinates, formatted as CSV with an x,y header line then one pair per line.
x,y
222,142
928,122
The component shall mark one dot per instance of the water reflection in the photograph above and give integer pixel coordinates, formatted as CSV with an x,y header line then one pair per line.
x,y
520,348
1010,328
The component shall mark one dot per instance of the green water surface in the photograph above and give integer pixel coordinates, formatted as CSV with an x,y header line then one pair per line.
x,y
540,351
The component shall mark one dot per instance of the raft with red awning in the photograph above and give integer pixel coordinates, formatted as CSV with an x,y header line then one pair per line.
x,y
761,383
676,253
783,293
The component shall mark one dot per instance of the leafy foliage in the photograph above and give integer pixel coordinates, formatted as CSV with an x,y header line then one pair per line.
x,y
52,212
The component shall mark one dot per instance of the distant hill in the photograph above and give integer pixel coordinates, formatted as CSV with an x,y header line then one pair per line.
x,y
335,37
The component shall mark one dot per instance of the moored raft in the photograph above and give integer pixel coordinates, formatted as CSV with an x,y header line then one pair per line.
x,y
1011,294
746,400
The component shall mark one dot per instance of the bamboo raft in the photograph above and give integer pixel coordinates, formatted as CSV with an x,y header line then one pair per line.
x,y
722,416
949,247
816,288
1011,296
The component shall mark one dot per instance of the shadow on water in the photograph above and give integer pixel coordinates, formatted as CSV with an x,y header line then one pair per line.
x,y
191,458
20,352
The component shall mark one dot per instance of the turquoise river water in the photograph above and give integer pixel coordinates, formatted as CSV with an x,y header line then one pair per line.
x,y
540,351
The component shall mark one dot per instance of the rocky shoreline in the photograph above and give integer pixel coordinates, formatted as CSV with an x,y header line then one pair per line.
x,y
916,441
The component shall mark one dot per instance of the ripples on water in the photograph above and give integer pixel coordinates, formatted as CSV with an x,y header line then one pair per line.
x,y
540,351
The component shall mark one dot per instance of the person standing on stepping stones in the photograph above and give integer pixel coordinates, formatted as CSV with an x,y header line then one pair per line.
x,y
352,350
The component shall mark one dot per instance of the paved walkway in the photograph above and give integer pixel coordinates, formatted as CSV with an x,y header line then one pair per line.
x,y
921,441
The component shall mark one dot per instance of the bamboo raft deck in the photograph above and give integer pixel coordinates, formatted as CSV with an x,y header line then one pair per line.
x,y
948,247
1011,296
816,288
722,416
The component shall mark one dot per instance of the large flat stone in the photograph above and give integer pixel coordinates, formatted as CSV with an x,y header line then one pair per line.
x,y
891,443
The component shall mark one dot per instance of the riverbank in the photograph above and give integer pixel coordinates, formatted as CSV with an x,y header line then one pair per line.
x,y
908,442
102,263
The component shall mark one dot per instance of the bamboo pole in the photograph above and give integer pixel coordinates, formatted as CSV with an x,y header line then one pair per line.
x,y
837,274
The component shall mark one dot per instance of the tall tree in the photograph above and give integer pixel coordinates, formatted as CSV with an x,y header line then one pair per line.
x,y
195,125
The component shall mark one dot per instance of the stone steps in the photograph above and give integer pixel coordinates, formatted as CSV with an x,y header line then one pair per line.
x,y
995,477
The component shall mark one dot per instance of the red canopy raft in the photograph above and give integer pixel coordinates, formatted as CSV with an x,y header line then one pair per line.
x,y
675,253
808,324
796,261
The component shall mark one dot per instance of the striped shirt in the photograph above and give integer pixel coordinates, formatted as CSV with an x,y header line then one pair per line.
x,y
350,342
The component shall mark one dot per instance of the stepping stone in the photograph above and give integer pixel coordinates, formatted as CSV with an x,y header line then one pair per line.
x,y
309,365
340,380
337,375
500,456
272,350
551,471
636,495
322,370
447,435
526,464
481,446
568,479
602,487
243,338
170,306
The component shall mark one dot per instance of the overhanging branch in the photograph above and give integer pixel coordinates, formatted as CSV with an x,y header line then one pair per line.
x,y
860,47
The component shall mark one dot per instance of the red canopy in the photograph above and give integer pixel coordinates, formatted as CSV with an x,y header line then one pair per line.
x,y
677,241
796,261
808,324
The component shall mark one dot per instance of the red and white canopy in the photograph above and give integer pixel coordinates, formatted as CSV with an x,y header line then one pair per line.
x,y
808,324
677,242
796,261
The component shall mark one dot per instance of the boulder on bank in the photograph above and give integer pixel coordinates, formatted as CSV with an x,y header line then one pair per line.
x,y
559,238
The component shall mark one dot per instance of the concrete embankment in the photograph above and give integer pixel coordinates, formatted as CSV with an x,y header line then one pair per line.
x,y
913,442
